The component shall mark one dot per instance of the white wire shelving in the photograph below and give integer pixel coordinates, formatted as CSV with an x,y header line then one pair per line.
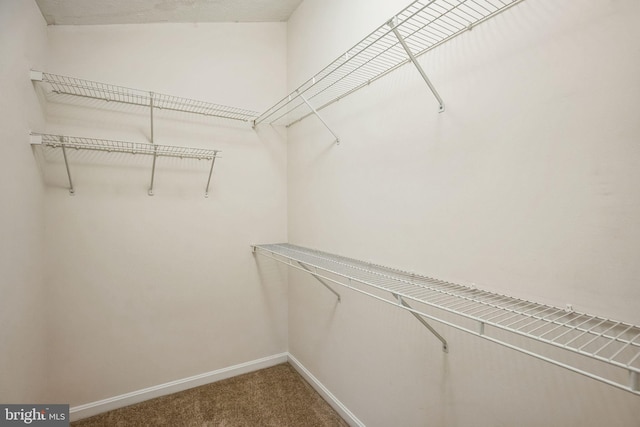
x,y
107,92
420,27
565,338
112,146
65,85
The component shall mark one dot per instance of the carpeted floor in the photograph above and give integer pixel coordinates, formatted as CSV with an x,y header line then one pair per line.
x,y
276,396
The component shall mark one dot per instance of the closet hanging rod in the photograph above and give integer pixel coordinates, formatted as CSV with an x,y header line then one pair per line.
x,y
107,92
423,25
501,319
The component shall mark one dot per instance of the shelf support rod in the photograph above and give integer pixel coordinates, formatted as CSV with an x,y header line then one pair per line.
x,y
66,164
319,117
213,161
393,24
401,301
319,279
151,111
153,170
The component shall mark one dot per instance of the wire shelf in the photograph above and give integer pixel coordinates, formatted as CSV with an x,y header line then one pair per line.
x,y
111,146
424,25
610,342
108,92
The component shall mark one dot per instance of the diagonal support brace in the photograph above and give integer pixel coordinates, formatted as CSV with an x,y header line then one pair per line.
x,y
151,113
319,117
66,164
213,161
319,279
153,170
402,302
394,28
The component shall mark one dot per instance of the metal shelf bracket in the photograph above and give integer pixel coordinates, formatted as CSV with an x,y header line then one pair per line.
x,y
57,141
66,164
35,76
153,170
213,161
393,23
319,117
151,113
315,276
402,302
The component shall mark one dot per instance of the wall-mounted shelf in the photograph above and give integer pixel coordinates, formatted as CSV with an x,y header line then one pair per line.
x,y
420,27
111,146
108,92
599,348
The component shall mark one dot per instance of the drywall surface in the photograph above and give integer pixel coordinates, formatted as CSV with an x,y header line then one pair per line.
x,y
154,289
22,295
525,185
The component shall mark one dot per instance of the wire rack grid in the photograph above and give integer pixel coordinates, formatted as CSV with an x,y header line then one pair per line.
x,y
108,92
424,25
113,146
606,341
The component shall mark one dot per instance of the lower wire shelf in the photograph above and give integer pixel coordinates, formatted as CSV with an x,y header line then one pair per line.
x,y
568,338
111,146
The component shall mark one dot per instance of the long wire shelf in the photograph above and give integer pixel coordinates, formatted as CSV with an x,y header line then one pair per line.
x,y
489,315
64,142
420,27
113,146
107,92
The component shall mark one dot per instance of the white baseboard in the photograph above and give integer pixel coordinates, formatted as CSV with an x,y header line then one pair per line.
x,y
338,406
100,406
95,408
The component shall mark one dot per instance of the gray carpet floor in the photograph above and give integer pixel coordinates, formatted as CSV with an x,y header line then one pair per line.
x,y
272,397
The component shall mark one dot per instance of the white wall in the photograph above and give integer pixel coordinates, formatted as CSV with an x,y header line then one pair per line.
x,y
526,185
22,298
152,289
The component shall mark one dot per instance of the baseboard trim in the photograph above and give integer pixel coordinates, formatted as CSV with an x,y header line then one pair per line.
x,y
95,408
339,407
100,406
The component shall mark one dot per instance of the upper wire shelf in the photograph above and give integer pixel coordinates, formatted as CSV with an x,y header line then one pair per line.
x,y
108,92
485,314
424,25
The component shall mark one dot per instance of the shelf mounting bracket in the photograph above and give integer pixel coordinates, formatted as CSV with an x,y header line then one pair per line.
x,y
151,113
213,161
319,117
393,23
319,280
153,170
36,76
66,164
402,302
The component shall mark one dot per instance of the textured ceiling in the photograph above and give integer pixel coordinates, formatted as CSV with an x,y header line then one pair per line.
x,y
98,12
